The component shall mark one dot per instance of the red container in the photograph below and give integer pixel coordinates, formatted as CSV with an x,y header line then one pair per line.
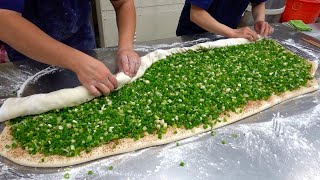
x,y
305,10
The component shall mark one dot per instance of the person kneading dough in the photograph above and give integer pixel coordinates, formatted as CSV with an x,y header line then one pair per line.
x,y
56,32
222,17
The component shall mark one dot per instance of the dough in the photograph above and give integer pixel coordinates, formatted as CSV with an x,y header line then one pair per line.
x,y
40,103
20,156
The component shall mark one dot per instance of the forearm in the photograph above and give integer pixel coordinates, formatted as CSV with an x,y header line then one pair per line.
x,y
34,43
126,22
207,22
258,11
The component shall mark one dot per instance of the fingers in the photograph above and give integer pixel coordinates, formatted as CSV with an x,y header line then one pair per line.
x,y
257,27
253,34
124,64
103,88
93,90
129,63
132,65
97,78
270,30
250,34
137,66
114,81
249,37
108,84
267,31
263,29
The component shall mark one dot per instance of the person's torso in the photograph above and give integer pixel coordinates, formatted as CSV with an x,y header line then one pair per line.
x,y
67,21
227,12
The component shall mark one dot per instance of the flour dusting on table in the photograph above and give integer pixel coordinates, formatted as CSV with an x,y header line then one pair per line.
x,y
16,78
313,54
34,78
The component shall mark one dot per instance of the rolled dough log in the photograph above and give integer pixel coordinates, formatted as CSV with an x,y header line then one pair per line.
x,y
40,103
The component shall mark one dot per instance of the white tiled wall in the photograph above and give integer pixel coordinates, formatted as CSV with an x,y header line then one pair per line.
x,y
156,19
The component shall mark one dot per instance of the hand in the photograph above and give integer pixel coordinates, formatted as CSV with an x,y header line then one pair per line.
x,y
263,28
244,32
95,76
128,62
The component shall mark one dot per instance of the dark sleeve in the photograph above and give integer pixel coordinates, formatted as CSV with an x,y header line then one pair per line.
x,y
13,5
203,4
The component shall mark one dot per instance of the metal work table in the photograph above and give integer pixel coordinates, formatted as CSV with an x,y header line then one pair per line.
x,y
279,143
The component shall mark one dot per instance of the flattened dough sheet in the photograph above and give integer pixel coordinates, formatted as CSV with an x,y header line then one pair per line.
x,y
69,97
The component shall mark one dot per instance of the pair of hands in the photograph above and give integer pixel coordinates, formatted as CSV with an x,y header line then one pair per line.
x,y
98,79
261,27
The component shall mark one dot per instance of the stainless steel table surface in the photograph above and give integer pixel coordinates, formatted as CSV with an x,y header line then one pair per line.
x,y
315,31
279,143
